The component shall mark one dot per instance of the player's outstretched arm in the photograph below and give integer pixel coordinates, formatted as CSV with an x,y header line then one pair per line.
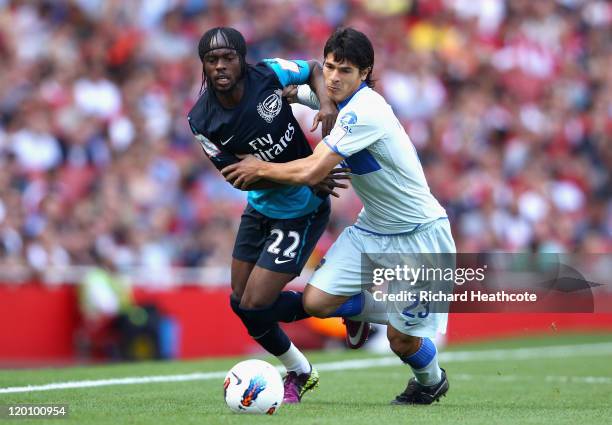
x,y
327,112
307,171
221,158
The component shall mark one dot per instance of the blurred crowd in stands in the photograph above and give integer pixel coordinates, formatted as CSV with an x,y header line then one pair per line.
x,y
509,103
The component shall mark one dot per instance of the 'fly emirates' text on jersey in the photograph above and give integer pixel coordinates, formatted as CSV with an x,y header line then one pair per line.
x,y
263,125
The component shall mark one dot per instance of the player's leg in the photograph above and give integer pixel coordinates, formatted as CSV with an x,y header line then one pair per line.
x,y
338,289
358,307
319,303
250,239
288,245
264,294
261,319
355,316
265,286
420,353
251,308
413,327
240,272
263,316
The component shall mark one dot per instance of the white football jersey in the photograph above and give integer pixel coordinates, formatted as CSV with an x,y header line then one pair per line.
x,y
386,172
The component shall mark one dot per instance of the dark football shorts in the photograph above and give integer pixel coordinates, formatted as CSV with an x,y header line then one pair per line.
x,y
280,245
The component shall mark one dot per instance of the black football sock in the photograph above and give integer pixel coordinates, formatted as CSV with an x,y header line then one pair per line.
x,y
267,334
288,307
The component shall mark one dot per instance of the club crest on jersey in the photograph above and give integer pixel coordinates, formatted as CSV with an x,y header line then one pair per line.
x,y
347,120
271,106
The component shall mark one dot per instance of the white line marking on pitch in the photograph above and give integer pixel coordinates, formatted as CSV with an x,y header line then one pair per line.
x,y
557,351
548,378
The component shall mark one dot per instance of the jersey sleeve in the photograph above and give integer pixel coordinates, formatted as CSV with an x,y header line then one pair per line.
x,y
352,134
306,97
289,71
219,157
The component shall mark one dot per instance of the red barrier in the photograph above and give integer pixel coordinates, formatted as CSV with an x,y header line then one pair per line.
x,y
39,322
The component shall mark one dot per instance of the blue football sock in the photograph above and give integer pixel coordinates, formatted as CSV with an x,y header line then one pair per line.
x,y
351,307
424,363
363,308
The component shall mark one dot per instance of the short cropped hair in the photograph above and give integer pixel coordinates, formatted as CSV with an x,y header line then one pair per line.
x,y
354,47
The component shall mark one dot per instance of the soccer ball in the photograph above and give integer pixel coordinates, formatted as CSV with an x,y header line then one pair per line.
x,y
253,386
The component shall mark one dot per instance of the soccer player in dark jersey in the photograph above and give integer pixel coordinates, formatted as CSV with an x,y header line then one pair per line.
x,y
242,111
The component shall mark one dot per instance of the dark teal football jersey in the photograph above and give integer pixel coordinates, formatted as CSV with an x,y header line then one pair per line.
x,y
263,125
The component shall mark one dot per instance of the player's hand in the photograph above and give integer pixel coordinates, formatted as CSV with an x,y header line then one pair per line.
x,y
331,182
242,174
327,116
290,92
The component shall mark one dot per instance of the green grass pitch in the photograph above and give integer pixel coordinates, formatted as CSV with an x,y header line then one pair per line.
x,y
520,382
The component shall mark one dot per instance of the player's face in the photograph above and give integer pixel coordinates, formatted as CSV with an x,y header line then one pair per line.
x,y
342,79
222,66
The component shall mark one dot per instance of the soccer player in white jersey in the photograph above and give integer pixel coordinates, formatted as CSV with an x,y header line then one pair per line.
x,y
399,215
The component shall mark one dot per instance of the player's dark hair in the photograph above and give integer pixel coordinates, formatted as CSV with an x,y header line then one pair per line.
x,y
354,47
222,38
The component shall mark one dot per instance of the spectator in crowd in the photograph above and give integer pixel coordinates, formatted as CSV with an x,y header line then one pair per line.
x,y
508,102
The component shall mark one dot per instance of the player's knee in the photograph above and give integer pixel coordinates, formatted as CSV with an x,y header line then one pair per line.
x,y
403,345
235,297
314,307
253,303
235,304
249,318
254,300
245,308
237,292
316,310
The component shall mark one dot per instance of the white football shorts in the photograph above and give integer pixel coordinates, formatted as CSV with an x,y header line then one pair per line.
x,y
343,272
